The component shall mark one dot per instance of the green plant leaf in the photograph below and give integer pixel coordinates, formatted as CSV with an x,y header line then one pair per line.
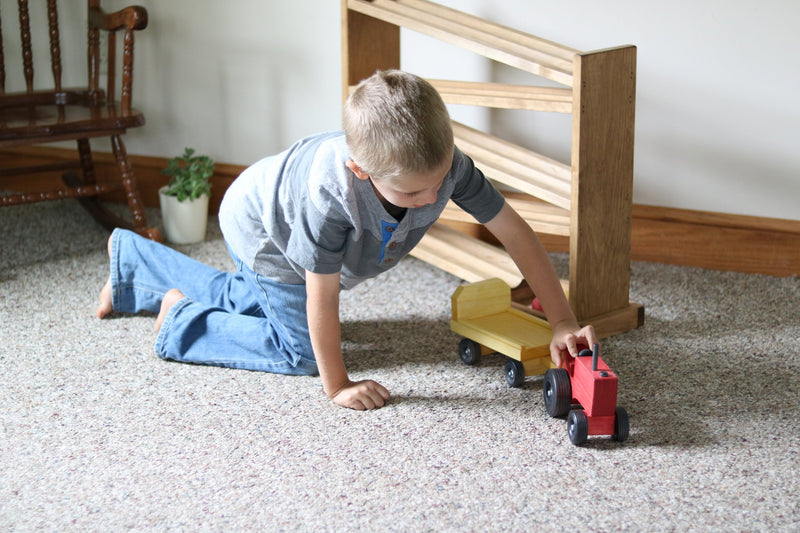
x,y
189,175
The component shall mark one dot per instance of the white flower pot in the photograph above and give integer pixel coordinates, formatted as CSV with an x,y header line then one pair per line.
x,y
184,222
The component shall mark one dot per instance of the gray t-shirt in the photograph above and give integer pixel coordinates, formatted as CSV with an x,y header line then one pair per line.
x,y
303,209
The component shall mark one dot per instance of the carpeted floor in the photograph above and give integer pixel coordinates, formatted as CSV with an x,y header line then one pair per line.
x,y
100,435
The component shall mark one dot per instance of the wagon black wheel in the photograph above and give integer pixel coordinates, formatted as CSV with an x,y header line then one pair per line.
x,y
577,427
470,351
515,372
557,392
621,426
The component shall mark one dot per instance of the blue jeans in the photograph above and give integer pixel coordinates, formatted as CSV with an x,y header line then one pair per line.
x,y
235,320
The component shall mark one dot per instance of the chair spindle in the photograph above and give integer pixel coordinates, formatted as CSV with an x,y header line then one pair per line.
x,y
25,36
2,61
55,46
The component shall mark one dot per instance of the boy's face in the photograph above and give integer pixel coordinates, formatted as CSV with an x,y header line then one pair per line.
x,y
410,190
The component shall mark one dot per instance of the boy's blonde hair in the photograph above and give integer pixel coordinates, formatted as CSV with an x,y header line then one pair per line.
x,y
396,123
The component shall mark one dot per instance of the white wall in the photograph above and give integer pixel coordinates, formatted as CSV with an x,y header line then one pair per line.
x,y
237,79
718,94
718,104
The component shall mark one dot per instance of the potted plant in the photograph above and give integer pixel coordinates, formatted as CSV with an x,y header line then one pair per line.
x,y
184,201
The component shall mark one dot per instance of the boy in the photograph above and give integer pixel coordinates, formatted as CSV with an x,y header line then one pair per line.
x,y
329,212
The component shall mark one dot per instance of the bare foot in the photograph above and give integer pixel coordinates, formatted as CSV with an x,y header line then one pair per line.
x,y
170,298
105,300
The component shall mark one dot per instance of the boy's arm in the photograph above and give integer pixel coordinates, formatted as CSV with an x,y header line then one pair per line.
x,y
324,327
524,247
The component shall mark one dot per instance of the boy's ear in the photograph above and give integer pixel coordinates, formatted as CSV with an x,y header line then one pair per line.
x,y
360,174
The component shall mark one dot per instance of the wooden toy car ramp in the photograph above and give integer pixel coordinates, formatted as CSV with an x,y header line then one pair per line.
x,y
483,315
583,206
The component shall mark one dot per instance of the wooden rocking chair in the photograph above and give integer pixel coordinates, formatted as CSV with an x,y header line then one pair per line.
x,y
56,114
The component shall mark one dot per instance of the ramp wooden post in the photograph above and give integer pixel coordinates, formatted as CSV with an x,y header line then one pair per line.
x,y
604,99
368,44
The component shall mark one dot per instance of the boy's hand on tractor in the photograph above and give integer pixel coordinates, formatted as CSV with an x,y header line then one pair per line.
x,y
361,395
568,338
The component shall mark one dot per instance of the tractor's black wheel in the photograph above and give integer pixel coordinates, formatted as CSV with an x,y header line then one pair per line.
x,y
557,392
621,427
577,427
515,372
470,351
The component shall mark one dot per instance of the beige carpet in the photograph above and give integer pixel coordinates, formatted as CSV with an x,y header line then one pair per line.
x,y
100,435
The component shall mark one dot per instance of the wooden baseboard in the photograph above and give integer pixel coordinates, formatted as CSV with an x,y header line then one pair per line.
x,y
717,241
738,243
754,245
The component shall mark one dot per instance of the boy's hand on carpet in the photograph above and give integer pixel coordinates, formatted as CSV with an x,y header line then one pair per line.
x,y
361,395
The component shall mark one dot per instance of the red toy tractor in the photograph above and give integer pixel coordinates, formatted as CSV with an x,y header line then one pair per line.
x,y
585,380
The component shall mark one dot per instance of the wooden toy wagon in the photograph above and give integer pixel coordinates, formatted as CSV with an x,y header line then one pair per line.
x,y
482,314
